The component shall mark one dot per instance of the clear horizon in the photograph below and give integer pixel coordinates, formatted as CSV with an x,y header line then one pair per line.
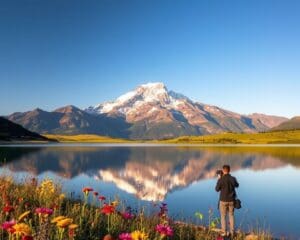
x,y
240,56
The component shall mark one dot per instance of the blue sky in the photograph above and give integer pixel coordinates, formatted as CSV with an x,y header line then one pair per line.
x,y
240,55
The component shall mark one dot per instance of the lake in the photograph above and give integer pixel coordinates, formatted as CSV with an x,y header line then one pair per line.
x,y
181,176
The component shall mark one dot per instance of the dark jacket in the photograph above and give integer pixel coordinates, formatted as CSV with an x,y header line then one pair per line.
x,y
226,186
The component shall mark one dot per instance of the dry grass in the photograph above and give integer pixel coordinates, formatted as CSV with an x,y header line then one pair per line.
x,y
279,137
88,138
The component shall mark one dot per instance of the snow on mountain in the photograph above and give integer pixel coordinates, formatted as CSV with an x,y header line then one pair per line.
x,y
150,93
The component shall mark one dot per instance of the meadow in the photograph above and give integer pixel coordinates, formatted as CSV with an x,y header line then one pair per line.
x,y
91,138
276,137
39,210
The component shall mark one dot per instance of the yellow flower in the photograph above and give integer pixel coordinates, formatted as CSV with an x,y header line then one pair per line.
x,y
73,226
22,228
23,215
115,203
46,188
62,196
139,235
57,219
64,223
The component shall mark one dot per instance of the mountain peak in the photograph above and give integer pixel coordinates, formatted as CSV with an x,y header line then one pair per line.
x,y
152,85
67,109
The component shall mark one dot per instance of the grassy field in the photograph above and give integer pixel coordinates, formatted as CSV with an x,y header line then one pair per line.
x,y
89,138
278,137
35,210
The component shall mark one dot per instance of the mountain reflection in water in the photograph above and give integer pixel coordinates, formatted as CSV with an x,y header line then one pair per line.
x,y
150,173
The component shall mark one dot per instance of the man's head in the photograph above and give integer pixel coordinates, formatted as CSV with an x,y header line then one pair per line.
x,y
226,169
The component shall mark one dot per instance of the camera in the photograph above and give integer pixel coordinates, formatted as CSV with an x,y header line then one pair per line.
x,y
219,173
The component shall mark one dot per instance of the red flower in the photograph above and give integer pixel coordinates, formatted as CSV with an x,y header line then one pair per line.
x,y
102,198
107,209
27,238
86,190
8,209
95,194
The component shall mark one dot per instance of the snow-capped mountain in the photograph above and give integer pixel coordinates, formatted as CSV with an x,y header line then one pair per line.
x,y
150,111
152,103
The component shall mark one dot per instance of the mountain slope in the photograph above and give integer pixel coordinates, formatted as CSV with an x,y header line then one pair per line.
x,y
10,131
70,120
268,120
292,124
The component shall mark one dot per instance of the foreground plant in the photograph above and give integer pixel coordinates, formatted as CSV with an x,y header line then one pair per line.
x,y
39,211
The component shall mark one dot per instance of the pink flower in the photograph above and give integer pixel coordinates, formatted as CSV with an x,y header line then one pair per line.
x,y
127,215
44,211
125,236
8,226
165,230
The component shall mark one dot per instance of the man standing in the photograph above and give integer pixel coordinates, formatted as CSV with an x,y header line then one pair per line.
x,y
226,186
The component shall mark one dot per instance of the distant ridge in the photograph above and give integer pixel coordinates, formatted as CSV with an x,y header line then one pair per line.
x,y
150,111
292,124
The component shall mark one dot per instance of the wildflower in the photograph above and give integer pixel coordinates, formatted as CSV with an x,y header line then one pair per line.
x,y
46,188
102,198
57,219
44,211
139,235
107,209
164,230
23,215
95,194
163,210
72,228
27,238
125,236
127,215
86,190
8,226
62,196
7,209
108,237
64,222
22,229
115,203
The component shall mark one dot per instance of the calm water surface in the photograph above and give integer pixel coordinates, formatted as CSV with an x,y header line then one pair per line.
x,y
183,177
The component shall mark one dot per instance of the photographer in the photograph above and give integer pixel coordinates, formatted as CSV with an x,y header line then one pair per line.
x,y
226,186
